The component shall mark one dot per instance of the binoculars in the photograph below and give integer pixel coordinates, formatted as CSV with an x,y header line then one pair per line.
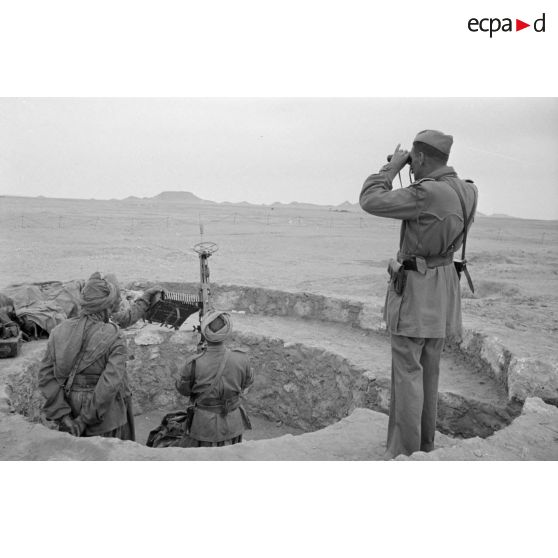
x,y
407,162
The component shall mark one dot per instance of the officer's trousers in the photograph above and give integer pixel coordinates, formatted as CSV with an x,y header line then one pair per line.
x,y
415,369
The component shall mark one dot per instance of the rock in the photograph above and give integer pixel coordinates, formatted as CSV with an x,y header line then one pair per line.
x,y
370,317
335,311
302,309
148,337
290,387
186,338
530,377
4,399
538,406
489,350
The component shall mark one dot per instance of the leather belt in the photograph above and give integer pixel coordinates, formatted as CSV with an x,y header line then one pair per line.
x,y
220,406
410,262
85,381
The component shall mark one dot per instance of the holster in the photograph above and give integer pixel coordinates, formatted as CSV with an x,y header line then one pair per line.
x,y
398,277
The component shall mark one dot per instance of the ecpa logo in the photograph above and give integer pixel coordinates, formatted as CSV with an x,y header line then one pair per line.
x,y
492,25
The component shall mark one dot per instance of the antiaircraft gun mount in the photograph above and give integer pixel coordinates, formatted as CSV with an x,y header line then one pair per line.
x,y
174,308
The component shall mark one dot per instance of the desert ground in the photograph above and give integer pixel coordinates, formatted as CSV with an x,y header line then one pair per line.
x,y
329,251
339,252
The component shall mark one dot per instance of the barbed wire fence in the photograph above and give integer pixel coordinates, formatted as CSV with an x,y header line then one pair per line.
x,y
62,221
204,220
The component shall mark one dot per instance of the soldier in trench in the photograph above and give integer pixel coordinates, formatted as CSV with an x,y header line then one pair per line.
x,y
215,381
83,373
423,303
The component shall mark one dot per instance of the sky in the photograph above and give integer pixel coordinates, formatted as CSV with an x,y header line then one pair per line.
x,y
263,150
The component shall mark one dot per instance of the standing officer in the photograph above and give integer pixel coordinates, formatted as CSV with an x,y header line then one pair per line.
x,y
215,380
423,303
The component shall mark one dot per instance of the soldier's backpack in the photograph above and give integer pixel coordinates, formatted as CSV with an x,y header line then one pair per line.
x,y
172,432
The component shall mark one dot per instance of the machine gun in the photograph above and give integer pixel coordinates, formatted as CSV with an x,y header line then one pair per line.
x,y
174,308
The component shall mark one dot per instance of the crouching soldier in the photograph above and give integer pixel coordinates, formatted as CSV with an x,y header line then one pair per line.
x,y
215,380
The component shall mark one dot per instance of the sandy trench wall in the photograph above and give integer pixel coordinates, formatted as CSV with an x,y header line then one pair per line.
x,y
306,386
256,300
302,386
522,377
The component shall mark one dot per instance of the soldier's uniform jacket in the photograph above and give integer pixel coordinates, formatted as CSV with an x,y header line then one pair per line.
x,y
211,423
100,387
431,216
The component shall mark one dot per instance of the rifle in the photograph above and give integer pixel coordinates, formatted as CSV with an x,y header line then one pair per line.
x,y
174,308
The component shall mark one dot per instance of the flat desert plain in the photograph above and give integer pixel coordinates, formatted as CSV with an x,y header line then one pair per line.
x,y
340,252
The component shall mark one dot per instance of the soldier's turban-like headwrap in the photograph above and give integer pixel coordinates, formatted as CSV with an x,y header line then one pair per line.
x,y
216,326
99,293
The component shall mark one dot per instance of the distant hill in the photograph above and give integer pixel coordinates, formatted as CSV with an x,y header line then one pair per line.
x,y
348,206
503,216
178,197
243,203
295,205
184,197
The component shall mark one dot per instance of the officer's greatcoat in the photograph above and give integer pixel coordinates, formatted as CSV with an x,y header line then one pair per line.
x,y
432,219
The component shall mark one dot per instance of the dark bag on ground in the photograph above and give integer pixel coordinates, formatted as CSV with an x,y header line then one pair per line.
x,y
173,431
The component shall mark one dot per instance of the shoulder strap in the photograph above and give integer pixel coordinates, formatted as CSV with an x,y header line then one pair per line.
x,y
218,376
101,349
191,360
466,218
70,379
402,233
